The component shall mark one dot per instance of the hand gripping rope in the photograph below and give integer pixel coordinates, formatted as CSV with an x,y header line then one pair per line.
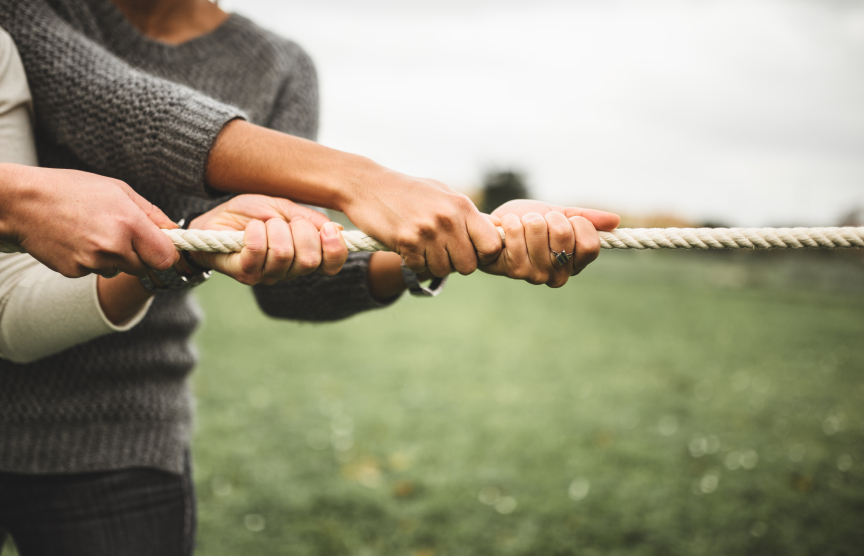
x,y
624,238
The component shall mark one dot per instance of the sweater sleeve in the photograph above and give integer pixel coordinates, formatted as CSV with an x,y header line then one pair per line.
x,y
43,312
319,298
121,122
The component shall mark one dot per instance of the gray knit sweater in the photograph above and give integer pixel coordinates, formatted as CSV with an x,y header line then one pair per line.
x,y
111,101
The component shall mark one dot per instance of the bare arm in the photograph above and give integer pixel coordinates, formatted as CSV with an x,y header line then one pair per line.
x,y
425,221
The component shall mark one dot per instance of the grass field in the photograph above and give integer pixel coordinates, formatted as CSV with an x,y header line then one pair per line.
x,y
669,403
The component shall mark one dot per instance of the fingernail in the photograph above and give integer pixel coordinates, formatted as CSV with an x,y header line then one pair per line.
x,y
328,230
531,216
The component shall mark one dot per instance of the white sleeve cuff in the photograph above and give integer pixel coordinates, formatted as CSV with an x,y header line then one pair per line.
x,y
110,326
43,312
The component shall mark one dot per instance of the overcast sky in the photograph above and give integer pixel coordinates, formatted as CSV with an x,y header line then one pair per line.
x,y
745,111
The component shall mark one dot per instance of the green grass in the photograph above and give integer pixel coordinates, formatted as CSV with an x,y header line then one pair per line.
x,y
670,403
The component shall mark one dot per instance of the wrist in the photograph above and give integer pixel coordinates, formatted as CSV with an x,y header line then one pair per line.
x,y
179,277
18,186
351,189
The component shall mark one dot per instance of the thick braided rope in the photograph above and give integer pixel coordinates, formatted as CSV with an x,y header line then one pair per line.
x,y
624,238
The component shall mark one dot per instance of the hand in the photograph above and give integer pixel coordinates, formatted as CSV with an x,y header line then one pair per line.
x,y
425,221
600,220
76,223
283,240
429,224
533,229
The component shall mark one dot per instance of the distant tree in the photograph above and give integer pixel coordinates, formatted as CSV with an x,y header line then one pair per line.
x,y
500,187
854,217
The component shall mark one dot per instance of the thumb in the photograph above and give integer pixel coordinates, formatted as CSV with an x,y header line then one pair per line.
x,y
291,210
602,220
152,211
485,237
154,248
496,221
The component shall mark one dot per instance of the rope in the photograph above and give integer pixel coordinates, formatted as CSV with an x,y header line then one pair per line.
x,y
624,238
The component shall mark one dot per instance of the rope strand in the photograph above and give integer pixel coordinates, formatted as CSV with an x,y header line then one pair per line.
x,y
624,238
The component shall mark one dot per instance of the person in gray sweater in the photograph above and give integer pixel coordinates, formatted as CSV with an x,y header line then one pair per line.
x,y
94,440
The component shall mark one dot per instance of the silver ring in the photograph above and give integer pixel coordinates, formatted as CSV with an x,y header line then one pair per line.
x,y
561,258
111,274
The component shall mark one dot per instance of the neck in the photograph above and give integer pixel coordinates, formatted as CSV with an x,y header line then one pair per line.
x,y
172,21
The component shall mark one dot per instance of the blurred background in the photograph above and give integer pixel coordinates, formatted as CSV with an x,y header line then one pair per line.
x,y
746,112
661,403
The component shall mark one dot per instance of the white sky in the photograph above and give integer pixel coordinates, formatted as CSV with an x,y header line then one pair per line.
x,y
746,111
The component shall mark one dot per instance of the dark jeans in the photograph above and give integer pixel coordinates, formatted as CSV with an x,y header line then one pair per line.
x,y
131,512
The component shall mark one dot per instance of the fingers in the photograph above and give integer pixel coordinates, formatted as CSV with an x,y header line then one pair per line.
x,y
438,259
280,251
333,248
537,240
276,250
599,219
250,263
152,249
562,237
290,210
413,260
587,243
307,248
496,221
515,252
485,238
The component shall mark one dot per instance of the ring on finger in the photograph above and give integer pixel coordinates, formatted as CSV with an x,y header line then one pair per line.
x,y
561,258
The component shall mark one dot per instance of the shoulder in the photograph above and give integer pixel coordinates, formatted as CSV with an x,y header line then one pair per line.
x,y
269,47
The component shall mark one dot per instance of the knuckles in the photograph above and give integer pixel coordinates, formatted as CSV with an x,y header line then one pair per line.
x,y
305,263
561,234
557,281
281,256
467,267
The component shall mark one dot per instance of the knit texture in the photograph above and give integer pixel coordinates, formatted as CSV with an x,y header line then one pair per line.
x,y
111,101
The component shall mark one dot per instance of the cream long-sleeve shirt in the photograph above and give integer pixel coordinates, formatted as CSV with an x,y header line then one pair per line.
x,y
41,311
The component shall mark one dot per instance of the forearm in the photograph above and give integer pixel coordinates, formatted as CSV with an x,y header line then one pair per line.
x,y
121,298
247,158
121,122
42,312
